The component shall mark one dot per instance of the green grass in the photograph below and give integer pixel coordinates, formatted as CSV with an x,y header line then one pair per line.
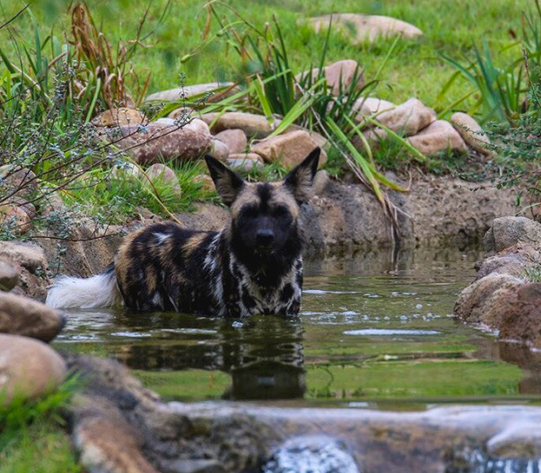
x,y
189,385
533,274
405,379
409,68
44,447
33,436
451,27
107,194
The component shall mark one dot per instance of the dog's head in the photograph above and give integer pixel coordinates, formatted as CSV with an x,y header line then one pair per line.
x,y
265,214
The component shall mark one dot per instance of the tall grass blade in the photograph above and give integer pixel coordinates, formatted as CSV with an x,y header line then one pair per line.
x,y
420,157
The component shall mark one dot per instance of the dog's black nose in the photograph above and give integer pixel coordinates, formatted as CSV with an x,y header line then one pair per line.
x,y
264,236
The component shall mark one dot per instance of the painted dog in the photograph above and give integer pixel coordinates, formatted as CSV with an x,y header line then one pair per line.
x,y
254,265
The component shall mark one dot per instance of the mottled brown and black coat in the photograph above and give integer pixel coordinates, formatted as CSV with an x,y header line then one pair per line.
x,y
252,266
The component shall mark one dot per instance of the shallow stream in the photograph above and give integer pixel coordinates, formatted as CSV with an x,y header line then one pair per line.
x,y
375,331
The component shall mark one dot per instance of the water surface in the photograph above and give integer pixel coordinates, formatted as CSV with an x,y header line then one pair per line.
x,y
375,330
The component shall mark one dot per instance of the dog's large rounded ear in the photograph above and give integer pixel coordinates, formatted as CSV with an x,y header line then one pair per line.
x,y
228,183
299,180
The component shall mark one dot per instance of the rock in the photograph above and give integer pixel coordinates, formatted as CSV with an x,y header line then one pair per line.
x,y
372,135
288,150
521,440
27,207
158,142
408,118
318,139
182,114
197,126
235,140
510,231
321,181
14,219
20,182
165,175
480,302
9,276
30,263
254,126
207,184
167,121
28,368
28,255
220,150
23,316
195,466
245,162
108,444
339,76
471,132
372,107
120,117
126,170
521,320
52,202
515,261
437,137
116,421
217,91
312,454
501,298
363,28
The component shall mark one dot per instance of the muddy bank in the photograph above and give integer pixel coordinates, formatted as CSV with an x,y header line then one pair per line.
x,y
120,426
339,220
345,218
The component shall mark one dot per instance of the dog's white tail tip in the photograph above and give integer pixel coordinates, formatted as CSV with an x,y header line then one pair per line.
x,y
98,291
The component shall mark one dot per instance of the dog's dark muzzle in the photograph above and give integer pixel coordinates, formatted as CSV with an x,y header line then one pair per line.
x,y
264,239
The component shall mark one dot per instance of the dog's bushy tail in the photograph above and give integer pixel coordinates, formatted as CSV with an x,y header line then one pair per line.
x,y
91,293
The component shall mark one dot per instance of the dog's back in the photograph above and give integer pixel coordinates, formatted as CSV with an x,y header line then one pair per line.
x,y
155,268
166,267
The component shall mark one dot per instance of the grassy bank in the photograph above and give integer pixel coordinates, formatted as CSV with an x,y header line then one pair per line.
x,y
451,27
179,41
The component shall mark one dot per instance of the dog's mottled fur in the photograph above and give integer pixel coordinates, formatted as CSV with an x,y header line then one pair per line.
x,y
252,266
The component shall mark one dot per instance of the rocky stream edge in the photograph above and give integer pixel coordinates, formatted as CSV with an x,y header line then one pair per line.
x,y
120,427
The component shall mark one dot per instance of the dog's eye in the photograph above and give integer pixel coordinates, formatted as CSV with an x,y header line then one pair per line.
x,y
280,211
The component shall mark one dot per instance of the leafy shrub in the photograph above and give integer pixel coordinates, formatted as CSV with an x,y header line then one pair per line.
x,y
48,94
